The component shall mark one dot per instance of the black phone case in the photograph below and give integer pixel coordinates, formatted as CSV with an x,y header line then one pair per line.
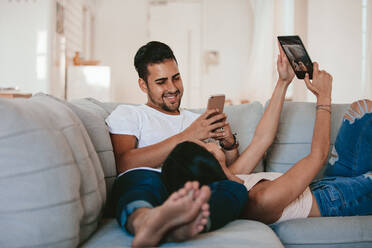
x,y
295,58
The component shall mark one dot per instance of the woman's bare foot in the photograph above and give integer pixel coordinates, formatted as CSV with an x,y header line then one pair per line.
x,y
183,206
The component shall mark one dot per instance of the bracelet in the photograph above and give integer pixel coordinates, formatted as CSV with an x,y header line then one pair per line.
x,y
323,105
234,145
323,109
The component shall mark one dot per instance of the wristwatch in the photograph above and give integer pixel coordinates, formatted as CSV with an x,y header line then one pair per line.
x,y
234,145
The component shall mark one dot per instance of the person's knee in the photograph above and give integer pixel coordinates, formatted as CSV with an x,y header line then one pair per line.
x,y
238,190
369,105
368,175
231,191
357,109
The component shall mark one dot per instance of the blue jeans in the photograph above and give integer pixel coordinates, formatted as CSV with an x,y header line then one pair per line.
x,y
145,189
347,187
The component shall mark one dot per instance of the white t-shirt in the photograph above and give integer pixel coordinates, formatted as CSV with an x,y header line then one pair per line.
x,y
149,125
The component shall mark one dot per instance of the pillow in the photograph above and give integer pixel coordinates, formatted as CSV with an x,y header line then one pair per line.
x,y
52,187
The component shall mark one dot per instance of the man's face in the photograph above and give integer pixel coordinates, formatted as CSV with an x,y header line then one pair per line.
x,y
164,86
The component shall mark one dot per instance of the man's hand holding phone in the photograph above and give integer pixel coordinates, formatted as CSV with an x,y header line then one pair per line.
x,y
224,134
204,127
212,123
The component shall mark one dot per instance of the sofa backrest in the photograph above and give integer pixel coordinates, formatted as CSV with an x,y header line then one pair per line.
x,y
93,115
242,118
292,142
52,189
294,135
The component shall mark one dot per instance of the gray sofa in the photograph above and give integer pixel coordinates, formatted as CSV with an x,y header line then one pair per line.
x,y
57,168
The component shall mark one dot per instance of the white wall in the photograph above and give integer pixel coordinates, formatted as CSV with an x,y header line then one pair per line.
x,y
226,29
334,40
332,28
25,30
183,35
300,92
120,31
121,28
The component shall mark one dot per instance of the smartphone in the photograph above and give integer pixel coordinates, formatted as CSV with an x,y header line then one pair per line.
x,y
216,102
297,55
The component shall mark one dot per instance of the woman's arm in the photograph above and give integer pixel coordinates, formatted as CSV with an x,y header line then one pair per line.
x,y
268,125
300,175
273,196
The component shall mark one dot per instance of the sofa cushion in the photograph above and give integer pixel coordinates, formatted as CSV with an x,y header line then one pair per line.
x,y
240,233
327,232
243,120
52,189
108,107
295,132
93,118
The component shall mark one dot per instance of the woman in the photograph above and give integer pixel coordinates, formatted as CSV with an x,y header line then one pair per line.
x,y
346,188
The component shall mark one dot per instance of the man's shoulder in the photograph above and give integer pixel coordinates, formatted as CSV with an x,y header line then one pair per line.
x,y
126,109
124,112
125,119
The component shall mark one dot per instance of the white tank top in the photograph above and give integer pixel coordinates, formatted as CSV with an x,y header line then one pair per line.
x,y
299,208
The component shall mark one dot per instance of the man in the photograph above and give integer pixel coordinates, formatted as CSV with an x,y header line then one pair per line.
x,y
144,135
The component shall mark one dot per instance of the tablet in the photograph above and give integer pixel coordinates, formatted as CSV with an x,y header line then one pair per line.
x,y
296,53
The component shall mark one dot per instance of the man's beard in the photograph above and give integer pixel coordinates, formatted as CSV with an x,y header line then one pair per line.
x,y
164,106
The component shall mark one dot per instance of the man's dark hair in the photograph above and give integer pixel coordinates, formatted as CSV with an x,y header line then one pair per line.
x,y
190,162
153,52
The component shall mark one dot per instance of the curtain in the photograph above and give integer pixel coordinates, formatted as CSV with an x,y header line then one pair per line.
x,y
261,68
368,77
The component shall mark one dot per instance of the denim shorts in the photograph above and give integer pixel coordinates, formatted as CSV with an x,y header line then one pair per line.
x,y
346,188
344,196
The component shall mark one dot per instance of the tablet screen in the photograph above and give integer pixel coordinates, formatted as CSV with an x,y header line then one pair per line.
x,y
297,55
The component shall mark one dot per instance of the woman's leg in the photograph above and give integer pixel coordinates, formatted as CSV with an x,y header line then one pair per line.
x,y
352,151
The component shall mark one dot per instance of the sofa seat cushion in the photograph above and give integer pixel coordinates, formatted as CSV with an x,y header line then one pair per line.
x,y
240,233
355,231
52,188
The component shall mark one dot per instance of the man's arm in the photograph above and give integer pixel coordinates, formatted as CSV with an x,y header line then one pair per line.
x,y
231,156
227,140
127,156
268,125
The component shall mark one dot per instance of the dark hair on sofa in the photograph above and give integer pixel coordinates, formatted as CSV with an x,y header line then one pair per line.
x,y
153,52
190,162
